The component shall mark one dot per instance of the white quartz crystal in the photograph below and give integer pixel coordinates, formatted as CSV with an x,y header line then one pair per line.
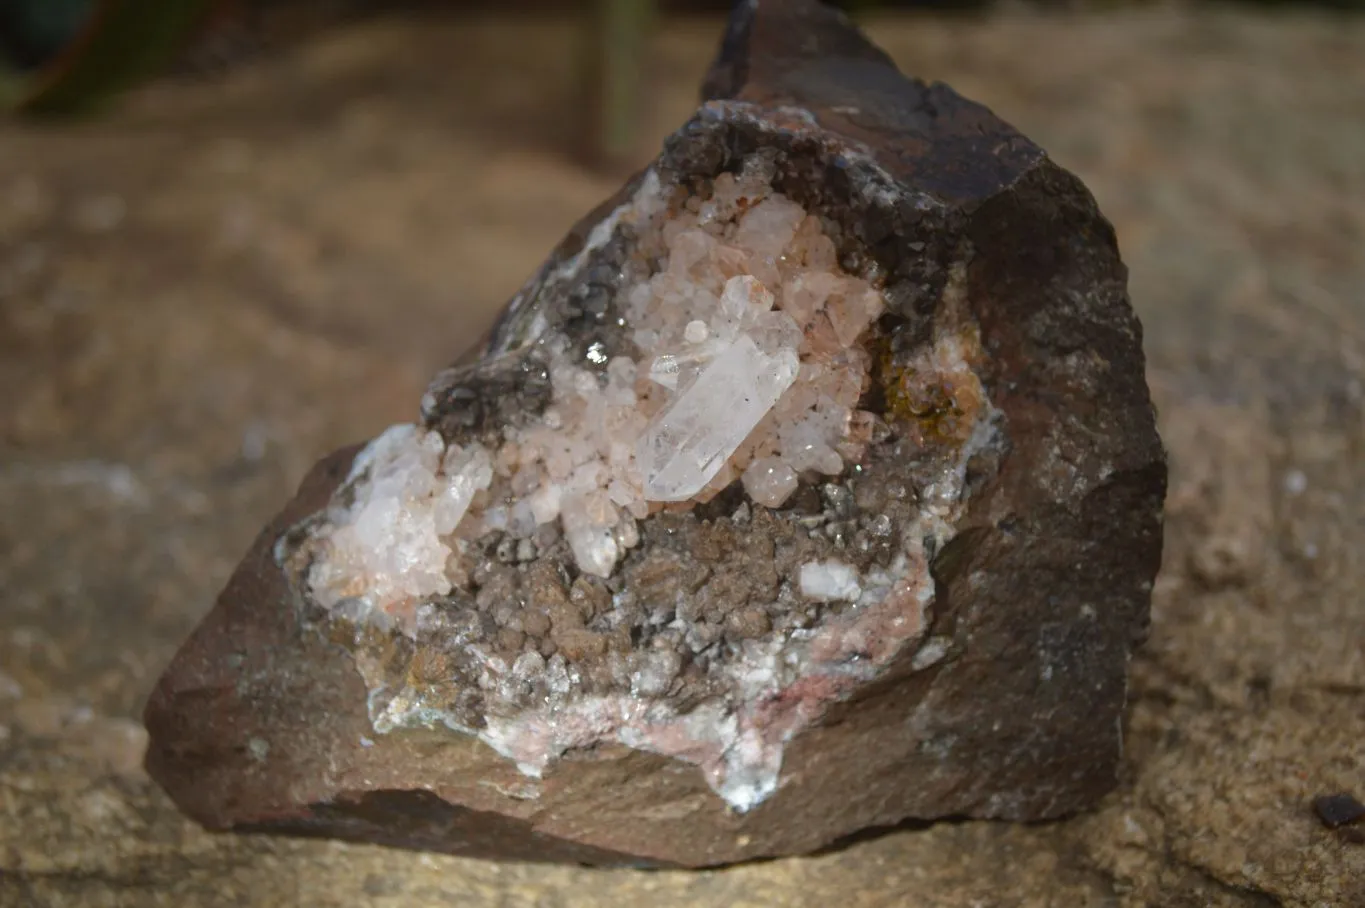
x,y
687,444
589,519
387,546
830,581
770,481
467,471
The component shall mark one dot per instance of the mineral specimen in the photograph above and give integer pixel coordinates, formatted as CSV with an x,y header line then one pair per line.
x,y
811,485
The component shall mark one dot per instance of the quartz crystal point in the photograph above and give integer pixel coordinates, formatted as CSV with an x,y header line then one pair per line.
x,y
687,444
811,485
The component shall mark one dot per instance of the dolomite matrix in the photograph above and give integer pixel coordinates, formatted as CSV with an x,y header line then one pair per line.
x,y
811,485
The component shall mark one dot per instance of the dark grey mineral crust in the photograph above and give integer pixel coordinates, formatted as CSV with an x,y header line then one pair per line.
x,y
990,684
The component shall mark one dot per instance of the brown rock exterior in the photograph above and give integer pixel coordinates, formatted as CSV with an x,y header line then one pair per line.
x,y
1002,697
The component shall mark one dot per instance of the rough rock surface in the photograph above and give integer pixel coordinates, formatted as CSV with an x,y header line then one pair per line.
x,y
997,536
188,280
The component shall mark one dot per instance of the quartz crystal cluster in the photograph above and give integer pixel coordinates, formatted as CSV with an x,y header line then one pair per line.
x,y
746,365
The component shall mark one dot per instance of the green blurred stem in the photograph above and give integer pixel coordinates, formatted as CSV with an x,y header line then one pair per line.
x,y
621,29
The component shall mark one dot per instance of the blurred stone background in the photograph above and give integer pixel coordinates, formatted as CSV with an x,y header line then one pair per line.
x,y
232,271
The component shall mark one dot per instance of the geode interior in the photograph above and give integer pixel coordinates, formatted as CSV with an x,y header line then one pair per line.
x,y
687,498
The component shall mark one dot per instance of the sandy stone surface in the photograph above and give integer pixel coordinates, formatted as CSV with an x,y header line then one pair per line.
x,y
204,292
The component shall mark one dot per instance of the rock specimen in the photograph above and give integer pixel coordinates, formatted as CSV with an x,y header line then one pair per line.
x,y
812,485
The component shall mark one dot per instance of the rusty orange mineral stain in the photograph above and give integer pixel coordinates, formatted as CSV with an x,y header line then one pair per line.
x,y
941,406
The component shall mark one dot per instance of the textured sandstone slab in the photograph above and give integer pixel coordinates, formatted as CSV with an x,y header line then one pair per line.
x,y
970,561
